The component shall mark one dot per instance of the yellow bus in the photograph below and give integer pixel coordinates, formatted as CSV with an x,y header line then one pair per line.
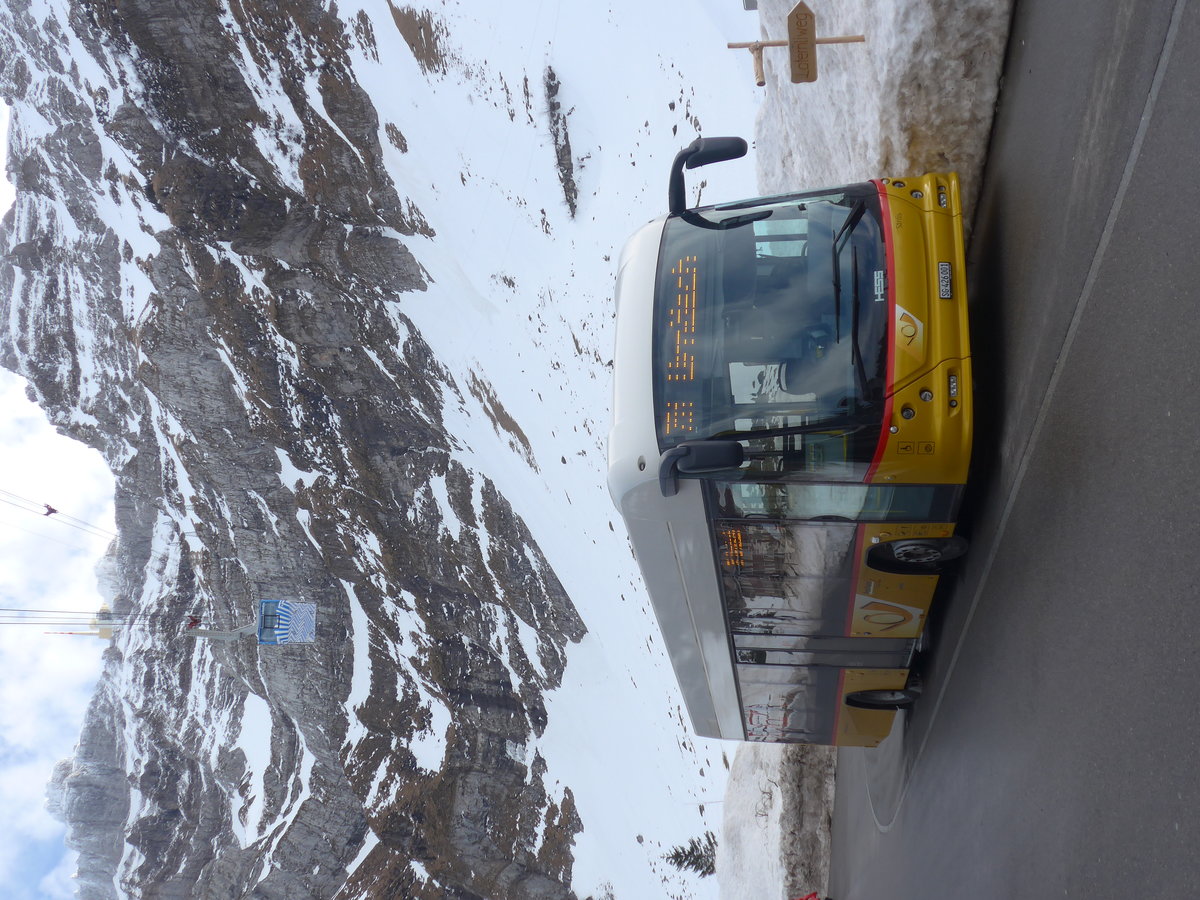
x,y
791,435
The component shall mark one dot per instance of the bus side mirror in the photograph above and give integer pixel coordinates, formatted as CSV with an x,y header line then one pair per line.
x,y
696,458
699,152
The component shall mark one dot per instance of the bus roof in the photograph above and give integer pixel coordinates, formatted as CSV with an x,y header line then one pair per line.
x,y
670,535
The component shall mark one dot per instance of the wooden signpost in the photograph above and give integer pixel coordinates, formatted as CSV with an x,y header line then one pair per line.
x,y
801,43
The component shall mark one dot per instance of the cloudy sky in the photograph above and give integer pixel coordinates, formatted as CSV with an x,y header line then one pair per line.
x,y
47,563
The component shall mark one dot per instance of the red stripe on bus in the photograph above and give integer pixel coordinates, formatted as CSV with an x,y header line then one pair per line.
x,y
859,556
837,717
889,248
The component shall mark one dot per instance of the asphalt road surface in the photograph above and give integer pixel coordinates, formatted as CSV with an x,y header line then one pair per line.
x,y
1056,751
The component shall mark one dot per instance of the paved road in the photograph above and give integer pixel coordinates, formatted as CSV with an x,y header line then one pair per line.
x,y
1056,752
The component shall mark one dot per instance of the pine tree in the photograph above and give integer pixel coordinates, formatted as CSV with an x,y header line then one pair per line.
x,y
700,855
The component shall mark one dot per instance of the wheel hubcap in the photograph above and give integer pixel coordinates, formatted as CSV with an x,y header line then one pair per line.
x,y
917,552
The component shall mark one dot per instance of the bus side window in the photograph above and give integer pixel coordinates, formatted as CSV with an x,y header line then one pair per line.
x,y
837,501
785,577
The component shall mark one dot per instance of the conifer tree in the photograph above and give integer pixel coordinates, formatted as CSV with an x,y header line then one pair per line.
x,y
700,855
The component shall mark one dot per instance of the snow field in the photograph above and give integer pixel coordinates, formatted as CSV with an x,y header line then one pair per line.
x,y
520,297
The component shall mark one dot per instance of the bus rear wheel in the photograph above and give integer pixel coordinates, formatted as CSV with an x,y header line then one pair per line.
x,y
894,700
916,556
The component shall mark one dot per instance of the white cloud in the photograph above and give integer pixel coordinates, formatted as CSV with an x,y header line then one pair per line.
x,y
58,883
48,679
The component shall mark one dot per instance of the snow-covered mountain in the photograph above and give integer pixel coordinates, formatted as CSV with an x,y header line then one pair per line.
x,y
329,285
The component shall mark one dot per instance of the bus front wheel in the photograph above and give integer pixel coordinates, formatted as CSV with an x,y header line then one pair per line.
x,y
916,556
882,699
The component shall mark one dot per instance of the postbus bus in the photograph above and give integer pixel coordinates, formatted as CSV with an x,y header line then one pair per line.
x,y
791,436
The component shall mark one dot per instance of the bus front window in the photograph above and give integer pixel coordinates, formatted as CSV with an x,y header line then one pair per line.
x,y
769,318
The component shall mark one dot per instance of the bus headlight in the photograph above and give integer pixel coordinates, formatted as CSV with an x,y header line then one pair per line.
x,y
953,387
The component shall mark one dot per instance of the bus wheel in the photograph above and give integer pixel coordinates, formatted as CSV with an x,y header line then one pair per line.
x,y
917,556
882,699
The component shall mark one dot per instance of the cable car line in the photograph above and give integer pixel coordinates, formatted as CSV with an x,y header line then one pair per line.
x,y
45,537
45,510
73,612
103,618
70,521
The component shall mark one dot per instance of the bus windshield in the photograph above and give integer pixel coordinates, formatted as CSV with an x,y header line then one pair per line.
x,y
770,316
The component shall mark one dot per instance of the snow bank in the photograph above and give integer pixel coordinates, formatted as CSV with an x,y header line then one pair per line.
x,y
918,96
776,828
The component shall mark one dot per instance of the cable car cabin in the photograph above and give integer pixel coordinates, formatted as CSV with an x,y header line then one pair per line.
x,y
286,622
791,435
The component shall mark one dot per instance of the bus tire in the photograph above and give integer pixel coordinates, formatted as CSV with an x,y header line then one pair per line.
x,y
916,556
894,700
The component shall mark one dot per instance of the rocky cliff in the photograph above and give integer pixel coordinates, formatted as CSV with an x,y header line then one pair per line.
x,y
204,279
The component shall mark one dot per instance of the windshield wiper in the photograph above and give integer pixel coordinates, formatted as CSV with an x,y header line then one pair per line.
x,y
860,369
745,219
856,213
838,423
694,218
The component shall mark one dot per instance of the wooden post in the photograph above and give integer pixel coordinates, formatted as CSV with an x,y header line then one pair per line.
x,y
801,42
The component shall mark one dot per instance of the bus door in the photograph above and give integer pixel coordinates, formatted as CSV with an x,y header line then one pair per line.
x,y
823,650
791,685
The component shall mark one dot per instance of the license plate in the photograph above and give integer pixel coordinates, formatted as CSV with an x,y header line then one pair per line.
x,y
945,290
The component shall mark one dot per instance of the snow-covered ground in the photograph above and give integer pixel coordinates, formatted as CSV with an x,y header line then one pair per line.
x,y
521,296
776,836
918,96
